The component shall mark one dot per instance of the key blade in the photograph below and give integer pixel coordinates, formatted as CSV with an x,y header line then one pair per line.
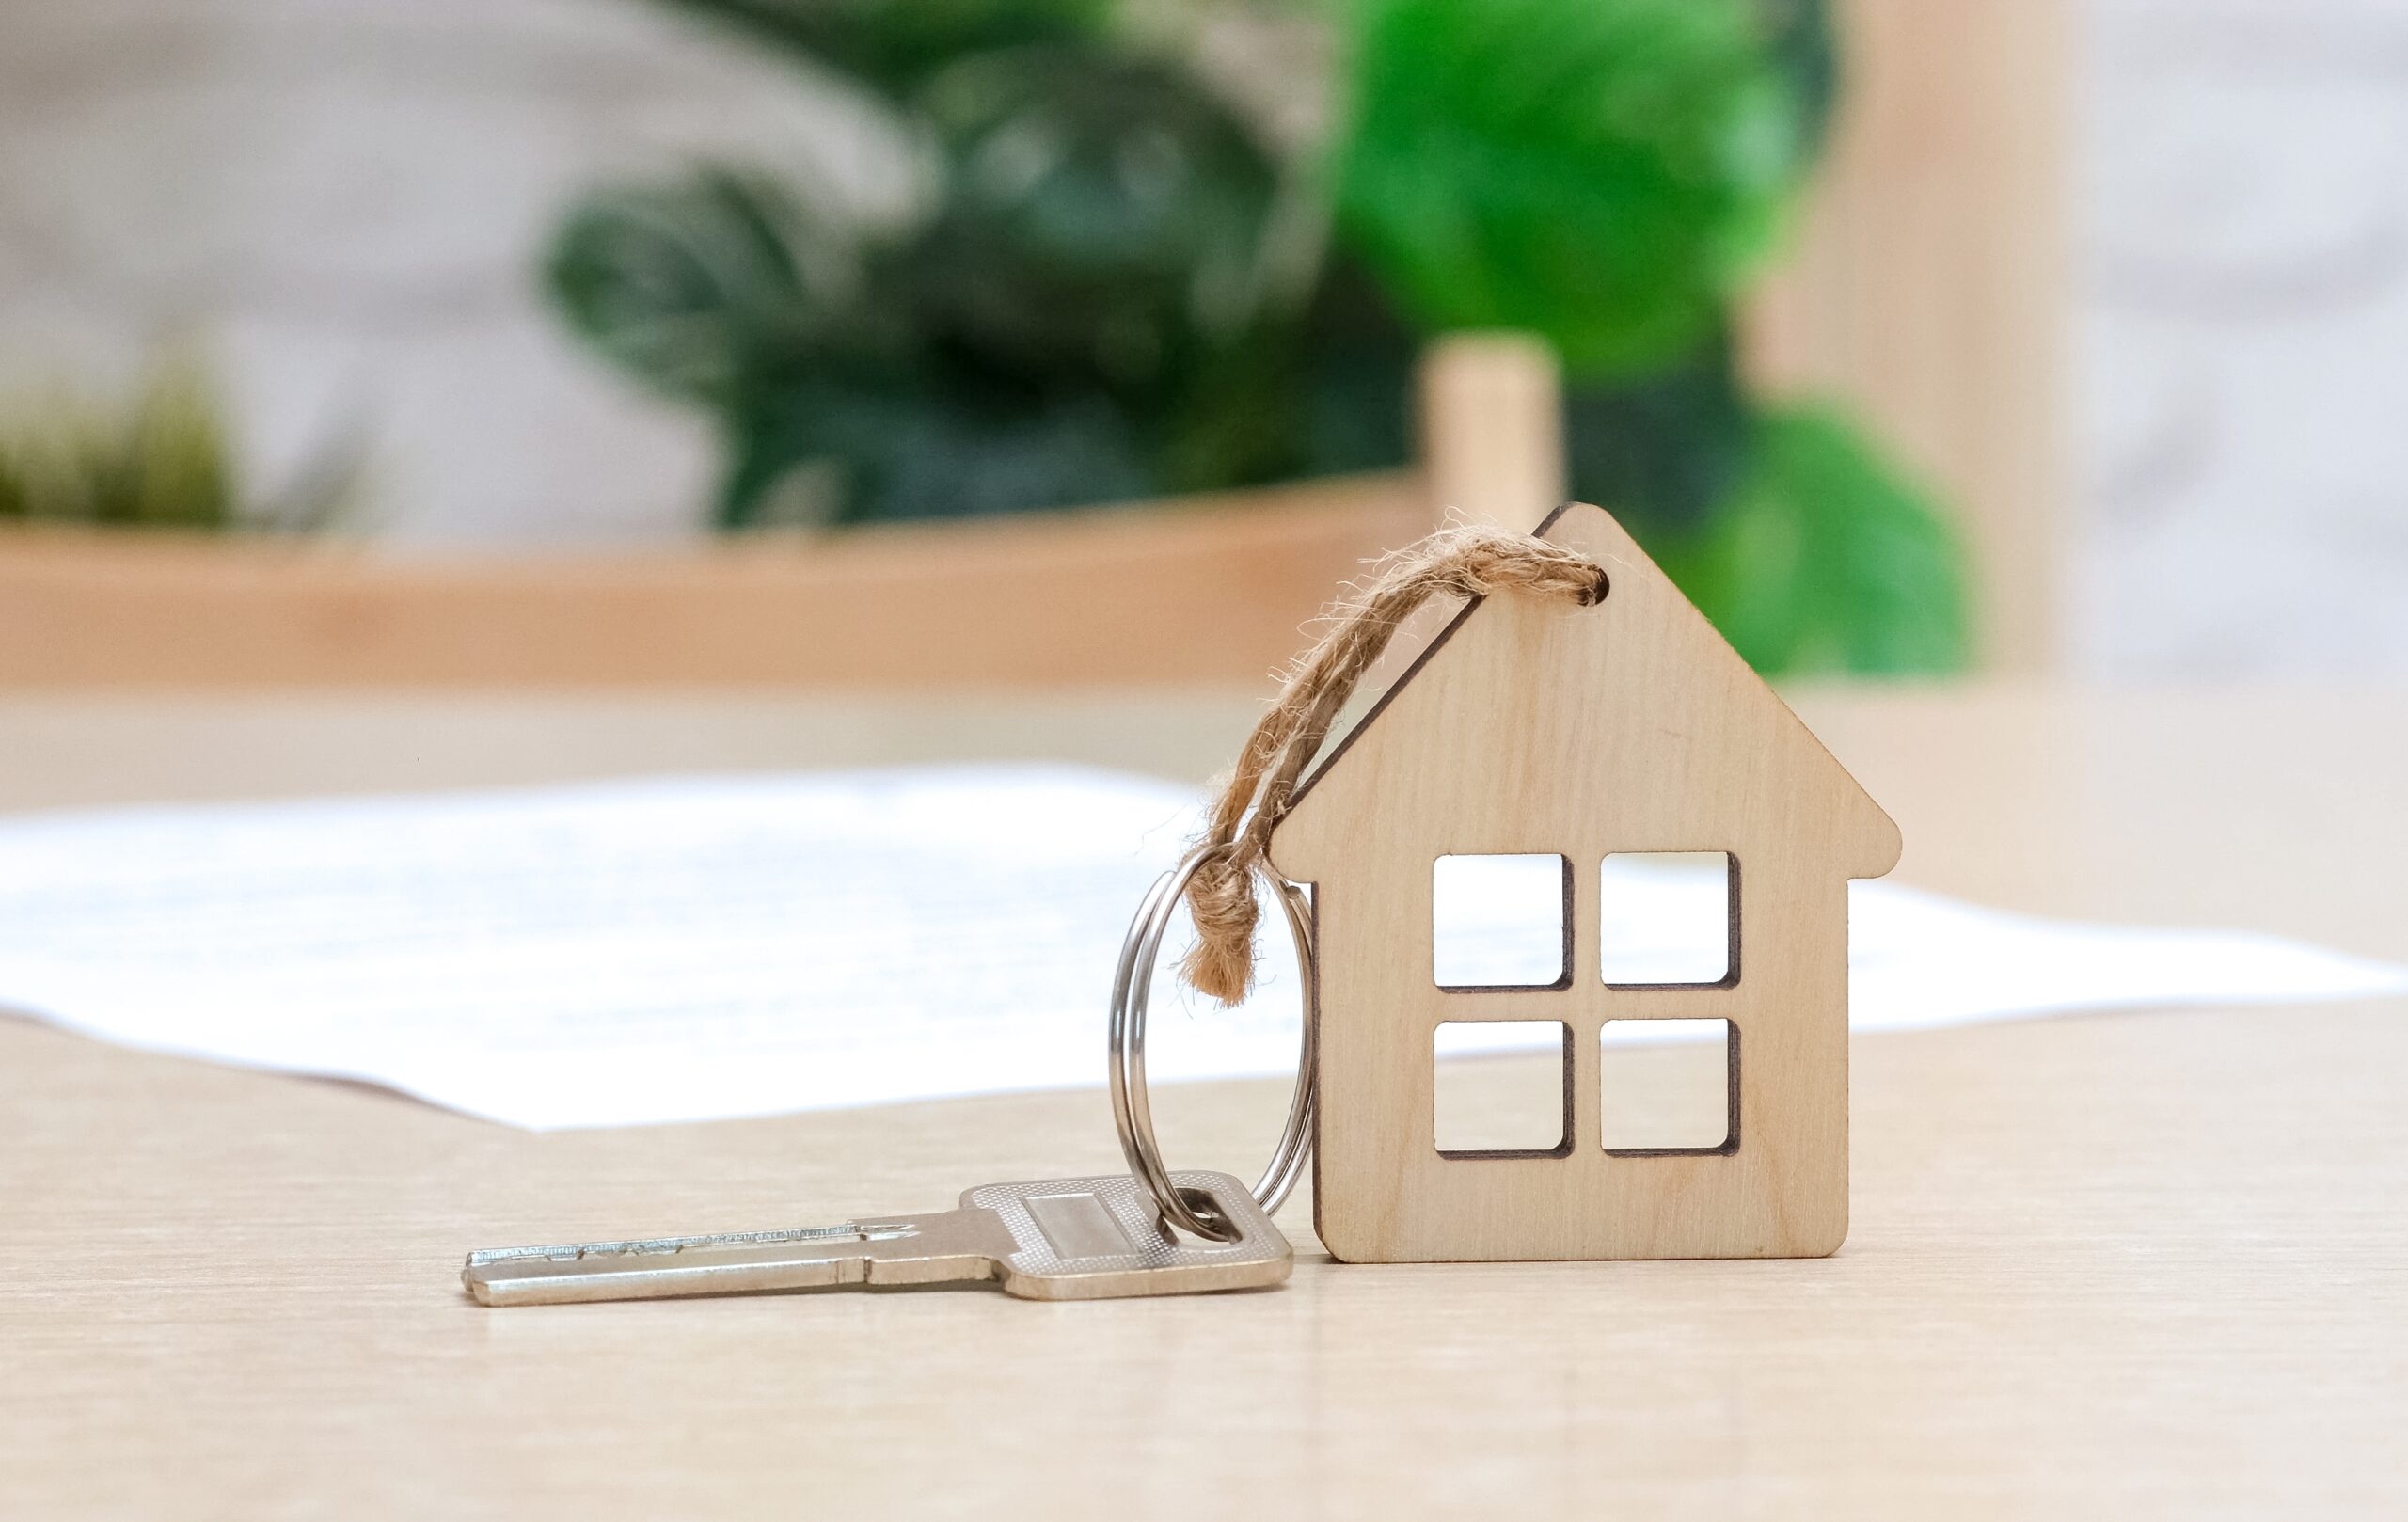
x,y
1061,1239
1100,1239
954,1246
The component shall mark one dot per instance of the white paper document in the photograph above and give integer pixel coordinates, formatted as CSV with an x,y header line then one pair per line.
x,y
702,947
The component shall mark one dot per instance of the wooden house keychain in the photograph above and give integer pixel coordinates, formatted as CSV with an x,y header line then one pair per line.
x,y
1578,707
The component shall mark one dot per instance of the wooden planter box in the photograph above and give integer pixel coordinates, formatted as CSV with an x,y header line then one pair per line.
x,y
1202,590
1209,589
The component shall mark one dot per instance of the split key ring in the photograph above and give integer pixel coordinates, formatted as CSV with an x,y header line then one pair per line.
x,y
1130,1112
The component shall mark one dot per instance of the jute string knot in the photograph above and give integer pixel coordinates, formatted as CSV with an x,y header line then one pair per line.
x,y
1461,560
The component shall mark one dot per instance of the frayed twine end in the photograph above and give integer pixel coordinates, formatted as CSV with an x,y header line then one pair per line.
x,y
1221,963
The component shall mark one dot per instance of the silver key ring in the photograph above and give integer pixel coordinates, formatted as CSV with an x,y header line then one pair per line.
x,y
1130,1112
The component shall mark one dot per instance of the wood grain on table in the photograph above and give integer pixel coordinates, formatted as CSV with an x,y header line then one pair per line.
x,y
2135,1265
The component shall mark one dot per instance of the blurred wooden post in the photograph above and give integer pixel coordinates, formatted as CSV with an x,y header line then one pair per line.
x,y
1492,428
1929,288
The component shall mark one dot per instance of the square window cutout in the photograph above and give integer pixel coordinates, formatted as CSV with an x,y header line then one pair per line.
x,y
1502,1088
1500,922
1667,1085
1668,917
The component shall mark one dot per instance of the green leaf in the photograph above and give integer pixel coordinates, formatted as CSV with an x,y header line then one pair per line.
x,y
855,445
697,286
1601,173
1807,50
160,457
892,45
1358,366
178,468
1826,560
1663,449
1104,216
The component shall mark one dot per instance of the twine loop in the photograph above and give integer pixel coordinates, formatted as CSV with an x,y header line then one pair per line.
x,y
1461,560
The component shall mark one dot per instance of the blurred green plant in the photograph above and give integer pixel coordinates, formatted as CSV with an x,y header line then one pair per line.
x,y
158,457
1115,284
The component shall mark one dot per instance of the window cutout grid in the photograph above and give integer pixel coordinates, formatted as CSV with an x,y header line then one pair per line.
x,y
1501,1088
1668,1086
1500,922
1668,919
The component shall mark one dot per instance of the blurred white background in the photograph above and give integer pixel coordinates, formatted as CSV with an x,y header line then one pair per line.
x,y
343,200
2242,323
346,201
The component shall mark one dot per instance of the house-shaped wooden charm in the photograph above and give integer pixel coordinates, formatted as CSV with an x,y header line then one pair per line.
x,y
1630,726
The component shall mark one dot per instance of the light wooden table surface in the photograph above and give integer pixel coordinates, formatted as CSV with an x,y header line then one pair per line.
x,y
2115,1266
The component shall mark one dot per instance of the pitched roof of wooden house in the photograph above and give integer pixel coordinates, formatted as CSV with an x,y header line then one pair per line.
x,y
1525,727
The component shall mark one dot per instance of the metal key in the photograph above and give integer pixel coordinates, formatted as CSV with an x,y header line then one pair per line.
x,y
1069,1239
